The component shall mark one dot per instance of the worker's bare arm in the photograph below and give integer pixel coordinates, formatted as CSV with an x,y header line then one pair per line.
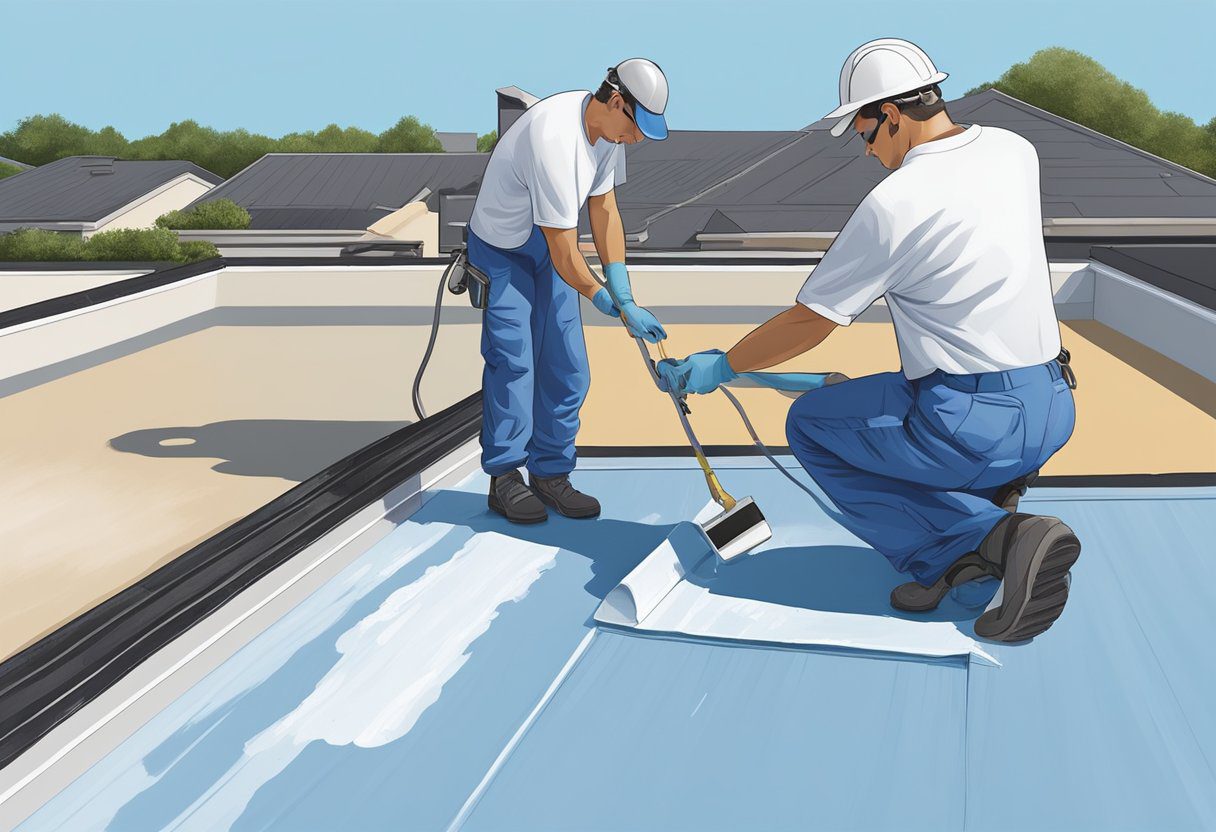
x,y
780,338
569,261
607,230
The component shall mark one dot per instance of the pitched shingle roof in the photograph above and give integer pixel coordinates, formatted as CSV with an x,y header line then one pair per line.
x,y
814,182
342,190
86,188
733,182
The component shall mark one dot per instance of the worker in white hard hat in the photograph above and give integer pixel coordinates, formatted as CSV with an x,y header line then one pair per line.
x,y
927,464
565,151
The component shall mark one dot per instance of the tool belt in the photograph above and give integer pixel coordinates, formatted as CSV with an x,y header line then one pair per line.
x,y
1064,359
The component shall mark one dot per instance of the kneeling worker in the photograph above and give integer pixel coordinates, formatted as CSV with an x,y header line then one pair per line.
x,y
926,465
564,151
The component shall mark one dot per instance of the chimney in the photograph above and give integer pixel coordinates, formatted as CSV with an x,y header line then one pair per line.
x,y
457,142
512,101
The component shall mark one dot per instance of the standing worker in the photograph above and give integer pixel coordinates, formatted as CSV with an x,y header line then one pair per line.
x,y
564,151
926,465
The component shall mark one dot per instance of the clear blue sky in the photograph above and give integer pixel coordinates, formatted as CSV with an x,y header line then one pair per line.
x,y
274,66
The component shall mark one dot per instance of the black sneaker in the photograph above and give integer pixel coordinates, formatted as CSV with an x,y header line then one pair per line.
x,y
1033,555
558,493
514,500
1009,494
916,597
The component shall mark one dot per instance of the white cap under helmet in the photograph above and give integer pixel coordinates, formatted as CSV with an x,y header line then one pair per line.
x,y
879,70
645,83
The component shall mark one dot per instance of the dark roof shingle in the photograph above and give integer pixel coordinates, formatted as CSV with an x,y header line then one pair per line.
x,y
342,190
86,188
814,182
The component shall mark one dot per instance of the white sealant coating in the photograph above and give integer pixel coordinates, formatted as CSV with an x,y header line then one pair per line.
x,y
393,666
127,773
643,589
657,597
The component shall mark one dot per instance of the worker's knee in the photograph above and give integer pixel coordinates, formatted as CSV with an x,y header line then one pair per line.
x,y
802,415
799,423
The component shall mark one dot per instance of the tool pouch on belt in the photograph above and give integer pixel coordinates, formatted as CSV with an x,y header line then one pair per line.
x,y
463,276
1064,359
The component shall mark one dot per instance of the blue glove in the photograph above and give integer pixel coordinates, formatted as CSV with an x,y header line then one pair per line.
x,y
603,302
641,323
701,372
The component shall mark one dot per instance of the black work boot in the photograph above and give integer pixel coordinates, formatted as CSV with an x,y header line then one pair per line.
x,y
1009,494
1033,555
916,597
558,493
514,500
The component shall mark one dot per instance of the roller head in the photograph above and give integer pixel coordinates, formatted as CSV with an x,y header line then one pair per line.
x,y
739,530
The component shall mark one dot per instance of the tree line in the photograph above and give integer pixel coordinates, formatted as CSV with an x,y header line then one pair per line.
x,y
40,139
1078,88
1058,80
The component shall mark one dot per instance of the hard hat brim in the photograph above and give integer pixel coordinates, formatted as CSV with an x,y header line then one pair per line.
x,y
839,128
847,112
652,125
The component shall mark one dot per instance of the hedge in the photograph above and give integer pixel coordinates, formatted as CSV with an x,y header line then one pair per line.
x,y
215,215
125,244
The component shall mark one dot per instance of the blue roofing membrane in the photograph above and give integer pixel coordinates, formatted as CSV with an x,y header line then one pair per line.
x,y
451,677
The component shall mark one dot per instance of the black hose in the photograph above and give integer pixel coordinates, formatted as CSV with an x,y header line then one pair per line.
x,y
430,347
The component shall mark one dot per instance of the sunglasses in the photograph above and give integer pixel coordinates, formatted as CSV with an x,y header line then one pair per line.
x,y
873,134
628,111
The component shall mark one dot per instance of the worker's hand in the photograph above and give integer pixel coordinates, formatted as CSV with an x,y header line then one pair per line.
x,y
701,372
641,322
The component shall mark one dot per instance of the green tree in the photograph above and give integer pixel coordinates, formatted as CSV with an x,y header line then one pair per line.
x,y
409,135
332,139
1080,89
8,170
224,153
40,139
485,143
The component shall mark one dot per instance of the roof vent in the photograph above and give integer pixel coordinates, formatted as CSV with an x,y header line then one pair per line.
x,y
98,165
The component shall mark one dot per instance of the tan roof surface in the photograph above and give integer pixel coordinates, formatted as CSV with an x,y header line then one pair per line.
x,y
125,465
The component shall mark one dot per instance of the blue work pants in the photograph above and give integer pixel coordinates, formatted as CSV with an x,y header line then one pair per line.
x,y
536,375
913,465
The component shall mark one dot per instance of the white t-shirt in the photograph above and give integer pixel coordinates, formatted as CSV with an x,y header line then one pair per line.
x,y
542,171
954,239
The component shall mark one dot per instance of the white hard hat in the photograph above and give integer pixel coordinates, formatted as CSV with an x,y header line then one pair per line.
x,y
645,83
881,69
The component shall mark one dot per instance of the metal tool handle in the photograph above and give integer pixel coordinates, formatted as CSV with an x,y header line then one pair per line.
x,y
716,491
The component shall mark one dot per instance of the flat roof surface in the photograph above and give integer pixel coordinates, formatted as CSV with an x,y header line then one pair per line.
x,y
450,677
150,452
